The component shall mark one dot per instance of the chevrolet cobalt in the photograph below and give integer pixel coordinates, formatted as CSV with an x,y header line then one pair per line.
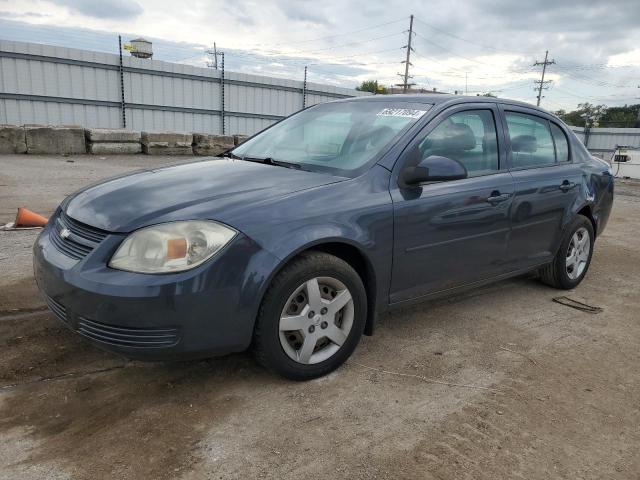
x,y
293,242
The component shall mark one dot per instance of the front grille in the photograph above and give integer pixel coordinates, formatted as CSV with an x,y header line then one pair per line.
x,y
81,230
57,308
69,247
80,239
127,336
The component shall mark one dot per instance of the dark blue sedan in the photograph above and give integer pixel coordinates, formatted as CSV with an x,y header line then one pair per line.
x,y
295,241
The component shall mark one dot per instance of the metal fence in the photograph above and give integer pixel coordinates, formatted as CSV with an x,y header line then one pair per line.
x,y
44,84
604,141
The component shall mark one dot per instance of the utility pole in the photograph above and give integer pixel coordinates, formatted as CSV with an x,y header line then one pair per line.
x,y
541,83
405,84
213,54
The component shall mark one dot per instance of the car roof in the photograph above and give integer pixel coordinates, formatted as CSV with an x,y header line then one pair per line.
x,y
436,98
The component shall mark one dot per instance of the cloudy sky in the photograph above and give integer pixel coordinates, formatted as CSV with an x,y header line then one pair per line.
x,y
478,46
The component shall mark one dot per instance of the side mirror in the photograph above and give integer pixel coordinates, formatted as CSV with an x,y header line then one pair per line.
x,y
435,169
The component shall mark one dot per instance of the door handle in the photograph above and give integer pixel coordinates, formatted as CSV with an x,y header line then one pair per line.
x,y
497,197
566,185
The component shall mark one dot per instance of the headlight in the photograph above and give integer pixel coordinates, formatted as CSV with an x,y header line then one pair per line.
x,y
171,247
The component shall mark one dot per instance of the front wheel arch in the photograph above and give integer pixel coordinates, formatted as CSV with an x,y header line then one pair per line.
x,y
354,256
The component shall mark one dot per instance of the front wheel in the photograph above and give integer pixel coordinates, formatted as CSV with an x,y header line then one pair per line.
x,y
311,318
572,261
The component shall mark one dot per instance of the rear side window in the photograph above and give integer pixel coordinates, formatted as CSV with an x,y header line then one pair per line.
x,y
562,146
469,137
531,141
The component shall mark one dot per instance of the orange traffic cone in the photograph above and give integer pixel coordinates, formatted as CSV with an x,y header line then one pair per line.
x,y
27,218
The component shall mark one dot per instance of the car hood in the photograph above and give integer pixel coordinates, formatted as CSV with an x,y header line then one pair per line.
x,y
216,189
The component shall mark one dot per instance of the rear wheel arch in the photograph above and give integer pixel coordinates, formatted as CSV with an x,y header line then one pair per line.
x,y
555,274
586,211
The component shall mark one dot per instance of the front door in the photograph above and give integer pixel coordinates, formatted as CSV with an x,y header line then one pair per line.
x,y
447,234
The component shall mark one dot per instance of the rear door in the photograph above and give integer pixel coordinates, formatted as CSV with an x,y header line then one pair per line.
x,y
451,233
547,183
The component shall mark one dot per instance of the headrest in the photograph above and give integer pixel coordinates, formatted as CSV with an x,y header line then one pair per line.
x,y
459,136
524,144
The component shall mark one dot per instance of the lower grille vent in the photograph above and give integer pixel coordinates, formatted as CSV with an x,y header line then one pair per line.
x,y
126,336
57,309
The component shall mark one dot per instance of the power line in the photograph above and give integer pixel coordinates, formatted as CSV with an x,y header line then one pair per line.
x,y
464,39
591,80
352,32
321,69
268,53
425,39
594,97
333,47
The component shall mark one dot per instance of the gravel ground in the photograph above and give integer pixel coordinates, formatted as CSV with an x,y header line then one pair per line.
x,y
500,382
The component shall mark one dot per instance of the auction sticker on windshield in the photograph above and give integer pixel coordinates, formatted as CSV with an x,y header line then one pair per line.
x,y
401,112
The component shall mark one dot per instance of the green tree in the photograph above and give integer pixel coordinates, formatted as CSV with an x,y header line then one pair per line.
x,y
625,116
585,112
372,86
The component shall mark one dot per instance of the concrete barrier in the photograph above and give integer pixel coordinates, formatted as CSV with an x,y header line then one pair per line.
x,y
238,139
108,135
167,143
43,139
54,140
12,139
204,144
115,148
104,141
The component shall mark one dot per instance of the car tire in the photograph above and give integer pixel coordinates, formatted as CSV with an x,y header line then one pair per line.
x,y
565,272
291,301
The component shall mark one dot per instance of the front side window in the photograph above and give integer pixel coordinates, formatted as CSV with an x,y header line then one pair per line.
x,y
339,137
468,137
531,142
562,146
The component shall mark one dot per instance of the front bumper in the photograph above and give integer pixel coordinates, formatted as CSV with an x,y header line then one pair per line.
x,y
207,311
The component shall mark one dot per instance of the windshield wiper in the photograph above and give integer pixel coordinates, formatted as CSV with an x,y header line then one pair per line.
x,y
271,161
231,155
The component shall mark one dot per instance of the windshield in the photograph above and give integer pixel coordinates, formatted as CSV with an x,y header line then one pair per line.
x,y
339,137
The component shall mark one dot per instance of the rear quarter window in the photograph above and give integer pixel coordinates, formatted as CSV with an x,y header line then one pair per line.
x,y
561,142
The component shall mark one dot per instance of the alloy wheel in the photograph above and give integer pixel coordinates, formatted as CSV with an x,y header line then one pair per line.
x,y
316,320
578,253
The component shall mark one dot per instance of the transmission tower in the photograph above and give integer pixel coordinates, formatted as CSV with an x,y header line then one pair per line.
x,y
407,62
212,53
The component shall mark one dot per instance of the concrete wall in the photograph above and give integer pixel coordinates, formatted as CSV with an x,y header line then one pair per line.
x,y
43,84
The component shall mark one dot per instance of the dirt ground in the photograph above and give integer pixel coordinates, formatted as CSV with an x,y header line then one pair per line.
x,y
497,383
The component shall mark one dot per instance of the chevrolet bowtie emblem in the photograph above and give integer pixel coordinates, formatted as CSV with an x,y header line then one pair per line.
x,y
65,232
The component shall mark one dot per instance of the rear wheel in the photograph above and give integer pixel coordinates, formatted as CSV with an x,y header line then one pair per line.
x,y
311,318
572,261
